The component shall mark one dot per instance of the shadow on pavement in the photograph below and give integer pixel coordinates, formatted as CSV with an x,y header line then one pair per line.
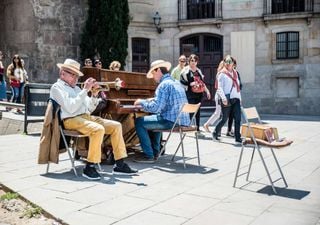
x,y
285,192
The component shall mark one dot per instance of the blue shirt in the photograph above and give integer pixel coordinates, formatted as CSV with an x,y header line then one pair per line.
x,y
169,98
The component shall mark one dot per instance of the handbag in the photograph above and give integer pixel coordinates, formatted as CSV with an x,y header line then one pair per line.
x,y
228,99
199,87
14,83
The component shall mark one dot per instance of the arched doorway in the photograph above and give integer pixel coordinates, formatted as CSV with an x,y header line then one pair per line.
x,y
209,49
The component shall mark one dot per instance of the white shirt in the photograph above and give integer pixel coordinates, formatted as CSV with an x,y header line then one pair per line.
x,y
224,84
73,101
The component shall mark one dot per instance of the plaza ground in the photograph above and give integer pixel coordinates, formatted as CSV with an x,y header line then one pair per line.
x,y
166,193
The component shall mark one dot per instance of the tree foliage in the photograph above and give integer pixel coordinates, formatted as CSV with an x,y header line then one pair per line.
x,y
105,32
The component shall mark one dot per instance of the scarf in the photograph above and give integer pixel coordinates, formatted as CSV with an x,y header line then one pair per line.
x,y
234,76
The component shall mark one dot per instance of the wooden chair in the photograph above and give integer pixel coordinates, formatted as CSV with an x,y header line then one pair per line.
x,y
183,130
257,144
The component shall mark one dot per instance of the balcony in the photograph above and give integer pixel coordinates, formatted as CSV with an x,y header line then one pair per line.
x,y
199,10
288,9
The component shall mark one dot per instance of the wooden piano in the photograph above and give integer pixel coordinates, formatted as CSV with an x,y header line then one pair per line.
x,y
120,102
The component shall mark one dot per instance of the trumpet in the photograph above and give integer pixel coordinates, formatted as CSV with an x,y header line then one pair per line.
x,y
106,86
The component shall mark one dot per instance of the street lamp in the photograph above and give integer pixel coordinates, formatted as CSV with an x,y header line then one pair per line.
x,y
156,22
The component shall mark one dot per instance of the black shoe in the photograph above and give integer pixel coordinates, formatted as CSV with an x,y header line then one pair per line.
x,y
215,136
144,159
238,140
230,134
157,154
125,169
91,173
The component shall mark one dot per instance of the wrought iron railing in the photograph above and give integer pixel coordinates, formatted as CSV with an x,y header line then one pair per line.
x,y
287,6
199,9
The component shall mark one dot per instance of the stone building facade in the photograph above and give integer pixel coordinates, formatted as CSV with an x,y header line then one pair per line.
x,y
275,81
45,32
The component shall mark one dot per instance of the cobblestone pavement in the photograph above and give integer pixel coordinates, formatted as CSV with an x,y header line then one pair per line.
x,y
165,193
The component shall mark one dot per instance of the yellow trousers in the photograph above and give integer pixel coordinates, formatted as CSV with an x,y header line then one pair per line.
x,y
96,127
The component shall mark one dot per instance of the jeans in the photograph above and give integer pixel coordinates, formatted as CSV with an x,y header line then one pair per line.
x,y
235,110
21,93
149,140
15,94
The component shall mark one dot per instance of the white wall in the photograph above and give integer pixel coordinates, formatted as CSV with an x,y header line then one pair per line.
x,y
243,50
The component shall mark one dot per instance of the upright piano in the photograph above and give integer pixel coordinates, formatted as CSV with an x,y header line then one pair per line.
x,y
120,102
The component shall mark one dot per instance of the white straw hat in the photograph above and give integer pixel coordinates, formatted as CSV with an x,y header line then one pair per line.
x,y
157,64
71,66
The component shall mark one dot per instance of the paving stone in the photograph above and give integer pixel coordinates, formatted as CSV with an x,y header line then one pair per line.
x,y
148,217
85,218
166,193
179,205
120,207
217,217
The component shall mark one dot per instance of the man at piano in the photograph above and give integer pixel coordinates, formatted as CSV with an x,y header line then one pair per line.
x,y
76,106
165,107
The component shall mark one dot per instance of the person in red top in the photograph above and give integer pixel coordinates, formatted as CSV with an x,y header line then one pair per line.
x,y
17,76
189,75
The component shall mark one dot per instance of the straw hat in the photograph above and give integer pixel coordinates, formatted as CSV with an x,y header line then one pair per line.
x,y
157,64
71,66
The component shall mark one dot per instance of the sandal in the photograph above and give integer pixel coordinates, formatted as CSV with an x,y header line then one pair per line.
x,y
206,127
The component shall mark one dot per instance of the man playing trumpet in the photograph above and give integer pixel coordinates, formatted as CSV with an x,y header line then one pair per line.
x,y
76,106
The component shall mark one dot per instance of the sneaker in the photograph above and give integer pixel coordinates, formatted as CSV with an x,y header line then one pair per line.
x,y
200,134
125,169
239,140
230,134
144,159
90,173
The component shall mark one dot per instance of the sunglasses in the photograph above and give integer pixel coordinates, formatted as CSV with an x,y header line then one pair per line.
x,y
193,60
182,61
228,61
72,74
99,63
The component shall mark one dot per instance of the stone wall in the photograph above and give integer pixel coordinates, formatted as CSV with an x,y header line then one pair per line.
x,y
42,32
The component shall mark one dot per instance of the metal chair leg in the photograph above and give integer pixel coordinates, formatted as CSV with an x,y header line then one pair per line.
x,y
99,167
266,168
182,149
249,169
47,171
238,167
175,153
72,162
197,143
278,165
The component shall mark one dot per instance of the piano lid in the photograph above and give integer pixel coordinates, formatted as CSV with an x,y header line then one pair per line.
x,y
137,85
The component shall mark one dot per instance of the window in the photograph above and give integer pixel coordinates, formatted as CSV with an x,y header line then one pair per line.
x,y
140,55
287,45
200,9
287,6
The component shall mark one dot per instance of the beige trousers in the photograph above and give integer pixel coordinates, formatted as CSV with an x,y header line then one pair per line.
x,y
96,127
